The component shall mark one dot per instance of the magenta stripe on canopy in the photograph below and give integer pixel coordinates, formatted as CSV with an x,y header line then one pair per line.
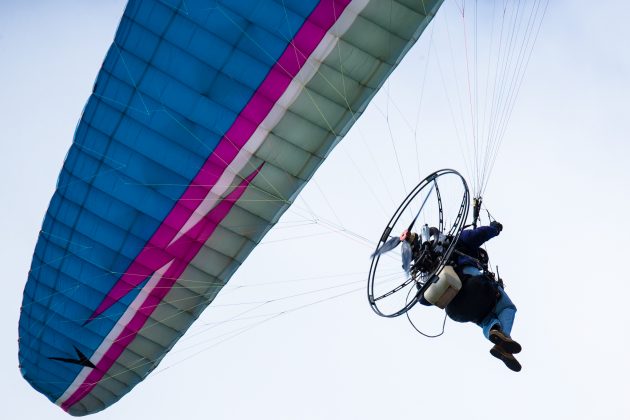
x,y
161,249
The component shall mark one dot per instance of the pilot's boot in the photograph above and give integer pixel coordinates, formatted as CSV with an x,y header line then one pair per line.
x,y
504,341
507,358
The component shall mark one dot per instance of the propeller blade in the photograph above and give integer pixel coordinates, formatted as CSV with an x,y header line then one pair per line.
x,y
413,222
406,256
390,244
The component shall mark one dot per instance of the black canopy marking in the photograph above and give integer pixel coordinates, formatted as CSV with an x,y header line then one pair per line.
x,y
81,361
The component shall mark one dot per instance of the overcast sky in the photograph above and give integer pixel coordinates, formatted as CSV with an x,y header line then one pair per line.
x,y
560,187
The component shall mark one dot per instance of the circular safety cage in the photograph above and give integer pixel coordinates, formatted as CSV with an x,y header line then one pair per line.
x,y
436,211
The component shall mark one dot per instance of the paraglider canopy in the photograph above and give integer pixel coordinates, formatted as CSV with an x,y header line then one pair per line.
x,y
204,125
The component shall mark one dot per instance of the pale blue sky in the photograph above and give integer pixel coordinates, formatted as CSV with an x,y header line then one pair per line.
x,y
560,186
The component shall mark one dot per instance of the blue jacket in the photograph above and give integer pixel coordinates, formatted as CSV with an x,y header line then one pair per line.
x,y
469,243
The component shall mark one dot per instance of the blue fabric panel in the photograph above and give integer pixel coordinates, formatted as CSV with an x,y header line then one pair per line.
x,y
171,84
